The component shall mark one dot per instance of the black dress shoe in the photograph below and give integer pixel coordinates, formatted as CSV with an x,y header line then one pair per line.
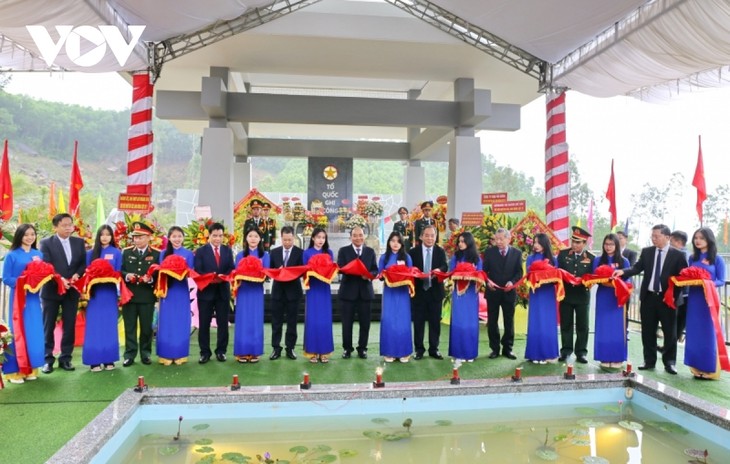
x,y
435,355
221,357
493,355
582,359
670,369
509,355
291,354
362,354
275,355
128,362
47,368
418,356
204,358
646,367
347,355
67,366
146,360
562,358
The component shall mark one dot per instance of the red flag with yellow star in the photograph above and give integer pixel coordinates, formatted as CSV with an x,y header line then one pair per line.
x,y
6,187
77,183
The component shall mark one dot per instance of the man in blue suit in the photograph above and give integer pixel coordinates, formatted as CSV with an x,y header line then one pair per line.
x,y
216,258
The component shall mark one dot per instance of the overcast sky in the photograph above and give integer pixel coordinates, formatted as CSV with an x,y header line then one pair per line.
x,y
648,141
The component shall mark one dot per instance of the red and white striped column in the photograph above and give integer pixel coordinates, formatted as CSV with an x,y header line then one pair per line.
x,y
139,147
557,174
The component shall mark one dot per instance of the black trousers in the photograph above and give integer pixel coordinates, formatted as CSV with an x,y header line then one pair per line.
x,y
654,312
206,309
573,314
144,312
681,318
506,300
284,310
426,310
68,305
348,310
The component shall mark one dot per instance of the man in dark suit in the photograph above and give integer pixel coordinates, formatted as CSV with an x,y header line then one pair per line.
x,y
68,256
426,304
216,258
575,306
678,240
285,296
503,265
426,220
658,263
136,261
356,293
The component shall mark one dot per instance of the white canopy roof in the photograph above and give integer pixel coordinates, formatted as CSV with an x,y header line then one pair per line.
x,y
598,47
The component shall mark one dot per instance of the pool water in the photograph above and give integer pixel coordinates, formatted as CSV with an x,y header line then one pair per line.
x,y
596,426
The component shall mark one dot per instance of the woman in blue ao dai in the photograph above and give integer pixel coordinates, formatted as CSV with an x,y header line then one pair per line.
x,y
174,321
101,340
395,322
248,342
609,342
23,250
318,339
542,315
464,328
701,340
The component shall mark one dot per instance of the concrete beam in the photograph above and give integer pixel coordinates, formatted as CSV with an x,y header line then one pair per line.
x,y
505,117
213,97
328,148
423,142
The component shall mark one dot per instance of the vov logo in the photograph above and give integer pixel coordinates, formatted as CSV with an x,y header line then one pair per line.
x,y
71,36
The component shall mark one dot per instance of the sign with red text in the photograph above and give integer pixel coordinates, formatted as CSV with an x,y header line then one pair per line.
x,y
472,219
490,198
134,203
514,206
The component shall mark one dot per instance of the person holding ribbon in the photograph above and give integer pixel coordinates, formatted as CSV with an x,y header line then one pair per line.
x,y
395,322
248,338
25,321
542,318
465,267
704,351
101,343
318,339
609,342
173,288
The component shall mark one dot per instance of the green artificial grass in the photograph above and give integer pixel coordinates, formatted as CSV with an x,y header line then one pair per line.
x,y
38,417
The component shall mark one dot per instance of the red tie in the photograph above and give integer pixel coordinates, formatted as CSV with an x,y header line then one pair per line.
x,y
217,256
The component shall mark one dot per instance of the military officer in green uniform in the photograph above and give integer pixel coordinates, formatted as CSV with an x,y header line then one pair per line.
x,y
426,220
574,307
405,228
268,234
136,260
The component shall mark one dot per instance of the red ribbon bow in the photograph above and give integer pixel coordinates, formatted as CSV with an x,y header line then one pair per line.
x,y
604,275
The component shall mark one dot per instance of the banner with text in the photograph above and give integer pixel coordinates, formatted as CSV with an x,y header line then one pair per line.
x,y
472,219
330,182
134,203
490,198
515,206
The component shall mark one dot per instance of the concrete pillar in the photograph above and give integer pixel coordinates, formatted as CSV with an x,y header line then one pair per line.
x,y
465,176
216,188
414,184
240,177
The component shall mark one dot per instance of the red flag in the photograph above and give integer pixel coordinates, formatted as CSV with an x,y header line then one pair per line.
x,y
6,187
698,181
611,197
76,185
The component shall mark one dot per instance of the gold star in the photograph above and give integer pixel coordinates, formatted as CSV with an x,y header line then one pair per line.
x,y
330,172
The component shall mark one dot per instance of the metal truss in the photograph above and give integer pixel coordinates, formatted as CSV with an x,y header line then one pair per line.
x,y
174,47
473,35
7,45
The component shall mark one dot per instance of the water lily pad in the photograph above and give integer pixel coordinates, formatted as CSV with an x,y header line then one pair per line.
x,y
327,458
579,432
594,460
586,411
380,420
200,426
168,450
322,448
373,434
396,436
560,437
630,425
669,427
580,442
348,453
205,449
443,422
695,453
615,408
209,459
547,453
500,428
203,441
591,423
298,449
235,457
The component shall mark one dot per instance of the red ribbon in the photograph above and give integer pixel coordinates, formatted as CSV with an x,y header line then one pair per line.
x,y
400,275
286,274
696,276
249,269
462,275
321,267
356,268
604,275
101,271
35,275
176,266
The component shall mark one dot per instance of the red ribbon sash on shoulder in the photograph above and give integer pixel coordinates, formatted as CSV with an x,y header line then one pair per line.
x,y
175,266
604,276
400,275
36,274
462,275
543,273
101,271
321,267
698,277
